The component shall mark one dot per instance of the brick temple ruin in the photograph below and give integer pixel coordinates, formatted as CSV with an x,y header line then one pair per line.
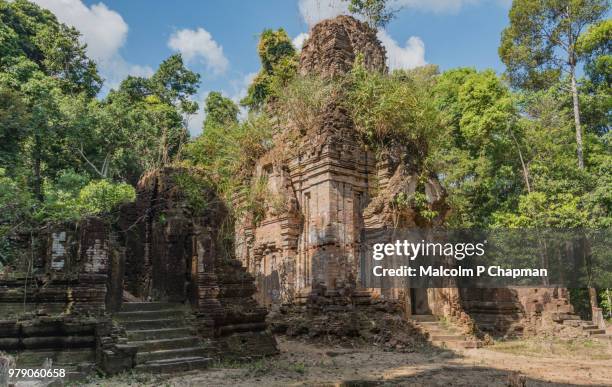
x,y
159,289
334,187
155,291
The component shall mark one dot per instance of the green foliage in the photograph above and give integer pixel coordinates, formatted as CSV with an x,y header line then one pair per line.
x,y
562,195
596,90
219,110
15,203
12,118
375,12
32,40
605,295
273,47
101,196
391,111
73,196
301,103
476,158
174,84
227,155
192,186
279,65
50,121
142,123
61,198
540,41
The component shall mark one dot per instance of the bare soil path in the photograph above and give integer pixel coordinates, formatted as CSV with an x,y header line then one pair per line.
x,y
539,363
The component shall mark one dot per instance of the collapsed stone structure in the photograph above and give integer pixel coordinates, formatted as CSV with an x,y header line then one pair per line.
x,y
333,187
176,253
156,290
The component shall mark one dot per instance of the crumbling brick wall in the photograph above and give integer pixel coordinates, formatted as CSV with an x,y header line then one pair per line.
x,y
175,252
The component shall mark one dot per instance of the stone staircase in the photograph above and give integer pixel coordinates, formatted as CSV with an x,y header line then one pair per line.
x,y
593,330
165,340
442,334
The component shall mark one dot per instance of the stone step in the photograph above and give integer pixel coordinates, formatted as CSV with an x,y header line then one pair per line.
x,y
156,334
175,365
147,315
603,336
587,327
424,318
166,343
464,344
35,358
427,323
597,332
143,357
142,306
153,324
437,328
565,317
447,338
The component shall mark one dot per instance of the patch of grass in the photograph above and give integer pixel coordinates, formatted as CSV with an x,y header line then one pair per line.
x,y
127,378
263,366
581,348
299,367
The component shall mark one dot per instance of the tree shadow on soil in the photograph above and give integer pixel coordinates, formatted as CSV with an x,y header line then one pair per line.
x,y
468,376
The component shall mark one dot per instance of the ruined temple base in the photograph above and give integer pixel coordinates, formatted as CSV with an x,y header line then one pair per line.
x,y
379,323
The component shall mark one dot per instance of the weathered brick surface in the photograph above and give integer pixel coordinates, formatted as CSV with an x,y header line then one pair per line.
x,y
334,44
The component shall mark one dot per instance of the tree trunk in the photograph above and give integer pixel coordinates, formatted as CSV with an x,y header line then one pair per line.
x,y
593,297
525,170
36,169
579,150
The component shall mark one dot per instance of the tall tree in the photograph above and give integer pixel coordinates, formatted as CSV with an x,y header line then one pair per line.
x,y
482,150
540,45
143,122
219,110
596,88
32,38
376,12
278,65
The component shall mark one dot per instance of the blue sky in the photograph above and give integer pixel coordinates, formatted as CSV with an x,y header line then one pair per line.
x,y
218,38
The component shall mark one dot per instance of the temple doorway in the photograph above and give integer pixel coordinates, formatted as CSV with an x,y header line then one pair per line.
x,y
419,301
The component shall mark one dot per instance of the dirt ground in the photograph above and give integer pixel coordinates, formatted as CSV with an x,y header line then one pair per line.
x,y
541,362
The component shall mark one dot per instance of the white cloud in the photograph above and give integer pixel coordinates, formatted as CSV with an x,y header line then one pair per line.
x,y
299,40
411,55
199,45
407,57
437,6
240,86
117,69
313,11
104,31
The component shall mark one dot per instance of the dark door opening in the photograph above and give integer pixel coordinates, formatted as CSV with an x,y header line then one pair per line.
x,y
419,301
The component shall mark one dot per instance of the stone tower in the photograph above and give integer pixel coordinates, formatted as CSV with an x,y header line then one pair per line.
x,y
327,188
312,244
